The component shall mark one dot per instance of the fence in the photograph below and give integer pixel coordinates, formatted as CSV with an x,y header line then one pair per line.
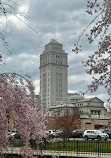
x,y
77,147
59,147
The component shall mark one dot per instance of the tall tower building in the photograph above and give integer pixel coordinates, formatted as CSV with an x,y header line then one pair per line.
x,y
53,75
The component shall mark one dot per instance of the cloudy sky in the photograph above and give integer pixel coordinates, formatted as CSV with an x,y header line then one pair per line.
x,y
62,20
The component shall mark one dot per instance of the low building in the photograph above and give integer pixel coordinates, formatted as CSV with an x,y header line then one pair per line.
x,y
94,123
74,97
92,111
92,107
93,114
55,110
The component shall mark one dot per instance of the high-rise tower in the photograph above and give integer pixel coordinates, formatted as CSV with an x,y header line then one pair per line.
x,y
53,75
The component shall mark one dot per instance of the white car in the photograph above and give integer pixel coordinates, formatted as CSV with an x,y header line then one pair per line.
x,y
11,134
95,134
51,133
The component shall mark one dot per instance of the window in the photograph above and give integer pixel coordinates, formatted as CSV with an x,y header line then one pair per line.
x,y
88,123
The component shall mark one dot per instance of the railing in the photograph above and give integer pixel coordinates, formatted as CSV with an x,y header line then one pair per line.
x,y
78,147
69,148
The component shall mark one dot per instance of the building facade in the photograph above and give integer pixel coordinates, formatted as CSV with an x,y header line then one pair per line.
x,y
93,114
53,75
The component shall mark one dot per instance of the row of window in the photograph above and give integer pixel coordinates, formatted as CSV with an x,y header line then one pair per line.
x,y
47,57
59,56
95,112
80,104
56,59
58,74
56,68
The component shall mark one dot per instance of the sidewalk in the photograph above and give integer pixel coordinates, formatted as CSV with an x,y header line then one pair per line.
x,y
16,151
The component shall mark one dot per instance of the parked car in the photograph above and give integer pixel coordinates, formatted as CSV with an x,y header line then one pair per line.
x,y
14,135
64,134
51,133
77,133
17,136
59,133
106,131
11,134
95,134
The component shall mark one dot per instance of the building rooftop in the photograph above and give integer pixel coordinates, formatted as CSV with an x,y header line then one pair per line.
x,y
76,96
88,99
62,106
54,41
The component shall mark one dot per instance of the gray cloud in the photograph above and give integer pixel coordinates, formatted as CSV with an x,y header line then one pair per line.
x,y
58,19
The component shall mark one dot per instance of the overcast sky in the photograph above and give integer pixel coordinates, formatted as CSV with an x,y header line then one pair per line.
x,y
58,19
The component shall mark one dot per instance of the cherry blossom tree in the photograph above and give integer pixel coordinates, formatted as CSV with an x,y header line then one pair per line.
x,y
18,108
99,63
17,103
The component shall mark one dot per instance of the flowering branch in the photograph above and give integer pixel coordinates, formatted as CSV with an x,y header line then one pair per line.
x,y
99,63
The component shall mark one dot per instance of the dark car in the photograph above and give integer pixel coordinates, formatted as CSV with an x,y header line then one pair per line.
x,y
78,133
17,136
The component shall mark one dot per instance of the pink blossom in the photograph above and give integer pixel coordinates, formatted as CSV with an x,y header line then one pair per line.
x,y
16,105
99,63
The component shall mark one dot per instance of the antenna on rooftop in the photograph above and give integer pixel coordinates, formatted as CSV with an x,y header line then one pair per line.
x,y
54,37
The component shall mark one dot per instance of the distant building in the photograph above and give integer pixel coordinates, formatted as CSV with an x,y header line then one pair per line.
x,y
56,109
74,97
54,87
53,75
37,98
93,114
90,107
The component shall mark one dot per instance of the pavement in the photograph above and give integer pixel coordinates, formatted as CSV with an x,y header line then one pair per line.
x,y
16,151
